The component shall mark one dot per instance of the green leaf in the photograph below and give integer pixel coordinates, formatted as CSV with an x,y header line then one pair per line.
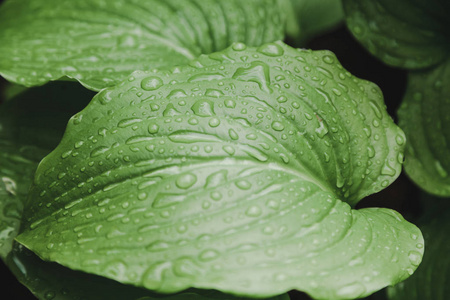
x,y
424,117
29,130
431,281
99,43
52,281
233,173
310,18
402,33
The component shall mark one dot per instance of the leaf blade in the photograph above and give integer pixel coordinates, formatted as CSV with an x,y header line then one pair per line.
x,y
198,177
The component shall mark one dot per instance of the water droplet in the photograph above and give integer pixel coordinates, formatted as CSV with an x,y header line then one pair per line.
x,y
253,211
151,83
233,134
351,291
243,184
230,103
214,122
170,111
415,257
203,108
328,59
128,122
229,149
388,170
258,72
271,49
208,255
185,181
440,169
153,128
278,126
49,295
239,47
158,246
217,178
99,151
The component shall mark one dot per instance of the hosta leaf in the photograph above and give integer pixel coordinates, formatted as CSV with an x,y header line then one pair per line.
x,y
99,42
431,281
233,173
52,281
29,130
424,115
403,33
311,17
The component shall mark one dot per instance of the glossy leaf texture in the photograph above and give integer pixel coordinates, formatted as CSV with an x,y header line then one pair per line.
x,y
99,42
310,18
409,34
28,132
431,281
232,173
51,281
424,116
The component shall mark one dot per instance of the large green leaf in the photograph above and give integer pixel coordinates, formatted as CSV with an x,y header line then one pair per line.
x,y
403,33
50,281
310,18
424,115
29,130
233,173
99,42
431,281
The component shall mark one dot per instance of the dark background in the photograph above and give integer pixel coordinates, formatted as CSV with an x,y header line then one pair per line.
x,y
402,195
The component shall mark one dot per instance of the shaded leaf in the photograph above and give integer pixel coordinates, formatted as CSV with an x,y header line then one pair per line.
x,y
52,281
31,125
424,115
431,281
99,43
310,18
409,34
233,173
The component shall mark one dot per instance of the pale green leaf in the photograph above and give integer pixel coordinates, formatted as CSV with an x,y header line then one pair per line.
x,y
233,173
424,116
31,125
99,42
410,34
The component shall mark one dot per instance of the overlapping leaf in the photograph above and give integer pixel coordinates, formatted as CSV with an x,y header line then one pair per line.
x,y
431,281
311,17
424,115
402,33
233,173
52,281
101,42
28,132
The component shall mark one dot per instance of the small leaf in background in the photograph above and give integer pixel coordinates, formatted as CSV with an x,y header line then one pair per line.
x,y
31,125
51,281
402,33
431,280
233,173
424,116
99,43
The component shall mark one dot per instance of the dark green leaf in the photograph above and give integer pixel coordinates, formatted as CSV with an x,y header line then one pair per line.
x,y
424,115
410,34
31,125
233,173
310,18
431,281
